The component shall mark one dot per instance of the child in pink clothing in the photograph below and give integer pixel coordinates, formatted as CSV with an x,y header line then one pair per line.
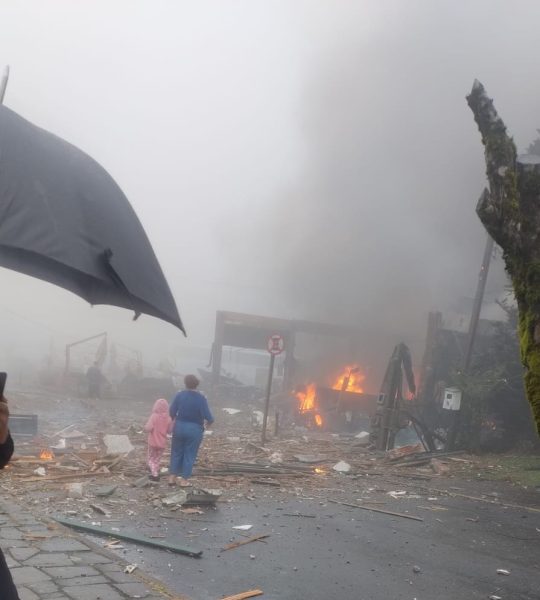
x,y
158,426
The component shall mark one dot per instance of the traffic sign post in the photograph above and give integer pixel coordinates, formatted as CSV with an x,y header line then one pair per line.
x,y
275,346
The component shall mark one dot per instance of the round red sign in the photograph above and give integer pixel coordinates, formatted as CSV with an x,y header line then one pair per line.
x,y
276,344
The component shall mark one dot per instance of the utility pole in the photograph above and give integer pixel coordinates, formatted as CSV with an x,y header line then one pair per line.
x,y
471,334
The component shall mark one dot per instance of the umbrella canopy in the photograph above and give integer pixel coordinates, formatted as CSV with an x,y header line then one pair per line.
x,y
63,219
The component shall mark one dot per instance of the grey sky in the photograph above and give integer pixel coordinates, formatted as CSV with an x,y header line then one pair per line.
x,y
298,158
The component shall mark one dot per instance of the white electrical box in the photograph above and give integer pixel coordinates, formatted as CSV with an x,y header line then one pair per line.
x,y
452,398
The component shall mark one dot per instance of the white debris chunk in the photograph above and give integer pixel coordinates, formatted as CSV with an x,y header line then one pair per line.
x,y
362,437
258,417
117,444
342,467
74,490
276,457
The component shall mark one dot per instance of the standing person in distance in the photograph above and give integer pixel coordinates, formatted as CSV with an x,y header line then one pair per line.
x,y
190,412
158,426
95,379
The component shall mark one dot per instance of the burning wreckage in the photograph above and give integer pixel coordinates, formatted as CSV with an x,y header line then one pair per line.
x,y
335,403
342,406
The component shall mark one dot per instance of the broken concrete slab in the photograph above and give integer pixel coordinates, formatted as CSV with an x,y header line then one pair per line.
x,y
74,490
200,496
342,467
105,490
173,499
117,444
362,437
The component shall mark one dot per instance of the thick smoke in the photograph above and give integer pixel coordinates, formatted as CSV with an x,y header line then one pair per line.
x,y
381,228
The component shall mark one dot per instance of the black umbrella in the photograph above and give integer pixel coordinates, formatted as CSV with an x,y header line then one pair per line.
x,y
63,219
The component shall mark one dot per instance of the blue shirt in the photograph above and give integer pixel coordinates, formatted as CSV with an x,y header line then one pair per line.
x,y
190,406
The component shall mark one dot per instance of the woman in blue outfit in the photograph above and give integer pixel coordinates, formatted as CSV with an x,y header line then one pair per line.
x,y
190,412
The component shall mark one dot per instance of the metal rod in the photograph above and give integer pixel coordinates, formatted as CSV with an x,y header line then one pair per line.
x,y
171,547
3,84
267,398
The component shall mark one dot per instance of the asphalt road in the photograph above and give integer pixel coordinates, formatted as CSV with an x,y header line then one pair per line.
x,y
348,553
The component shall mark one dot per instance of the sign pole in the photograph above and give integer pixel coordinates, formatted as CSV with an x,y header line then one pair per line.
x,y
267,398
275,346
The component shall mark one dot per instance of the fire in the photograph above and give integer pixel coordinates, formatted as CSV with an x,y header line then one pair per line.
x,y
307,398
319,470
307,403
350,380
46,455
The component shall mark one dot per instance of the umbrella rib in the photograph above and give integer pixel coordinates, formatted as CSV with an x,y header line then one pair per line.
x,y
107,255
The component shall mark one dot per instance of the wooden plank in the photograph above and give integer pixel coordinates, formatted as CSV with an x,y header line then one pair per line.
x,y
58,477
243,542
497,502
244,595
136,539
378,510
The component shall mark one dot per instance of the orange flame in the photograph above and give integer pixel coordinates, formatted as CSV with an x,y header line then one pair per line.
x,y
354,381
307,398
307,403
46,455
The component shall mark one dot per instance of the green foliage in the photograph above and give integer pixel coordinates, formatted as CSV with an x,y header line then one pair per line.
x,y
493,392
534,148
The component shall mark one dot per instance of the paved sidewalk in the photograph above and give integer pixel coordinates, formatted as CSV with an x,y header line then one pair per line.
x,y
49,562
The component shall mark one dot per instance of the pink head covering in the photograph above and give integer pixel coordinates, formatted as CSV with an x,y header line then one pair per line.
x,y
161,406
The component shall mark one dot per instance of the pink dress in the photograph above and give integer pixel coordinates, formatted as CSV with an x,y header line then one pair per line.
x,y
158,426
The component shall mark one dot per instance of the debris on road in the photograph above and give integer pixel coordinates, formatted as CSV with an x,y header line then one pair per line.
x,y
234,545
136,539
398,453
362,437
244,595
129,569
105,491
178,498
378,510
342,467
117,444
503,572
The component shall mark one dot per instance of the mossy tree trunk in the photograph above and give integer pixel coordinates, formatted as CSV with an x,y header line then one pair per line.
x,y
510,211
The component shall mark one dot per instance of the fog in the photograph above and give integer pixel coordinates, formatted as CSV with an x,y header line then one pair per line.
x,y
300,159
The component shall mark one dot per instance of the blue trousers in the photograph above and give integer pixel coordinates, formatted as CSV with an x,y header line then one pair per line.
x,y
187,438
